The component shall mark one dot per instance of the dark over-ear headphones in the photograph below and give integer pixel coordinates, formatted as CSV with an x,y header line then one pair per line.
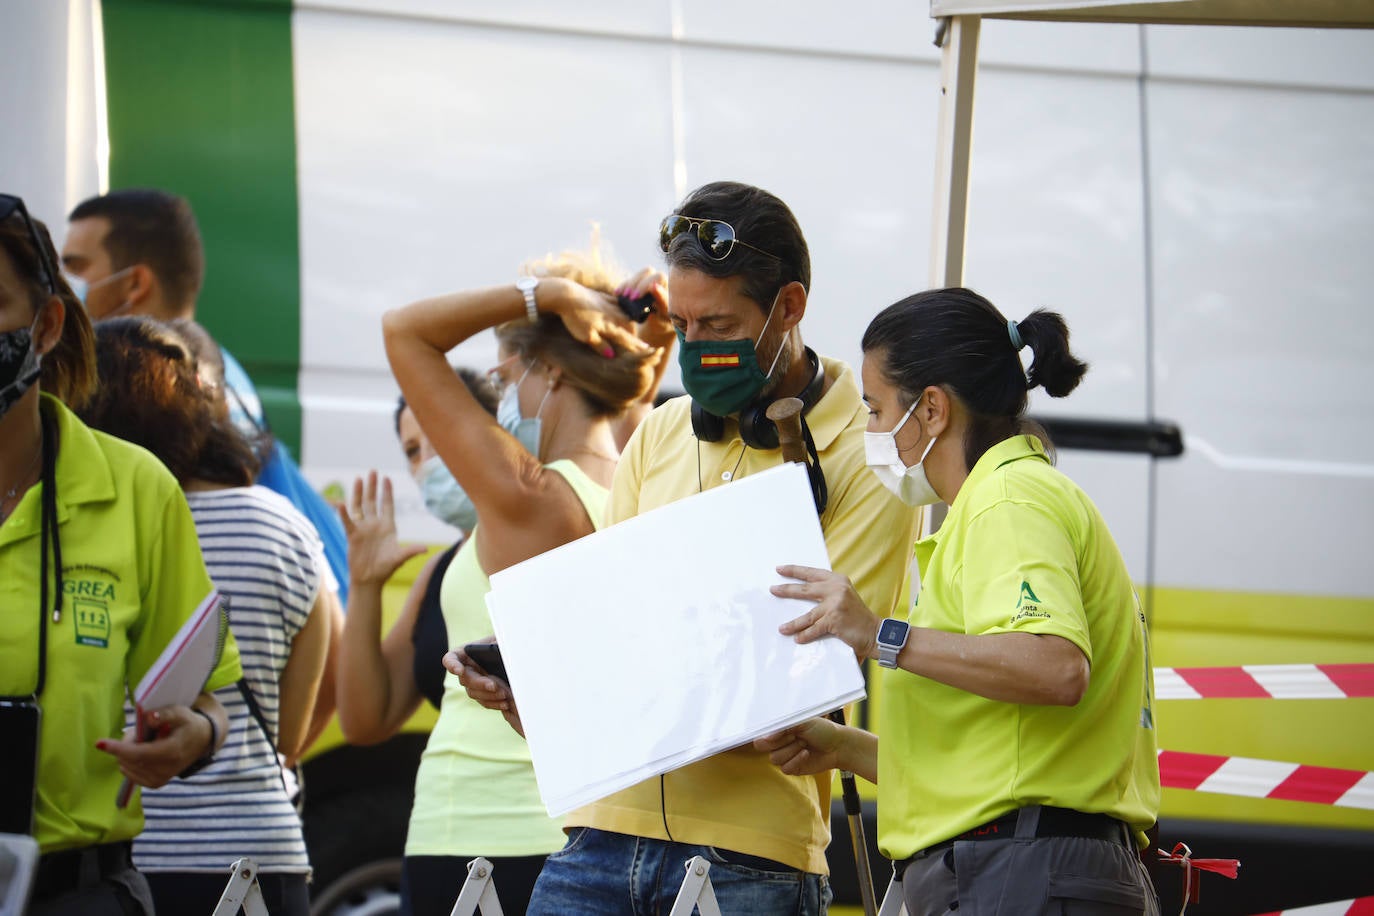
x,y
755,428
759,432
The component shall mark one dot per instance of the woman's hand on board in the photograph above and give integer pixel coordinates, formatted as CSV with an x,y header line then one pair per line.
x,y
839,610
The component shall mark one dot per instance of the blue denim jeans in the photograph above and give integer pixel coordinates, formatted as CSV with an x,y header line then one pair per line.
x,y
611,874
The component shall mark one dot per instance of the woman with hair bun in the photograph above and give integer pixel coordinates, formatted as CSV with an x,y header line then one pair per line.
x,y
1017,769
571,370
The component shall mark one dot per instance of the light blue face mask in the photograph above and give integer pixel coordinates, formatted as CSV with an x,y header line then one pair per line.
x,y
526,430
82,289
444,498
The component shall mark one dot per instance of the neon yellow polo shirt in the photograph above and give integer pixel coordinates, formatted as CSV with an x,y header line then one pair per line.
x,y
132,573
1022,550
737,799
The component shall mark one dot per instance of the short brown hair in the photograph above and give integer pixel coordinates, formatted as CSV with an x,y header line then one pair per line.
x,y
156,228
69,368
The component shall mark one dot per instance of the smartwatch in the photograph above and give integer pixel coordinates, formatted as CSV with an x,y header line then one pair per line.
x,y
892,635
527,285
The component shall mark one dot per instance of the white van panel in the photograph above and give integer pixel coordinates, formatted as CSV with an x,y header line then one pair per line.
x,y
441,144
440,157
1063,47
846,146
1264,529
1262,331
1327,58
901,30
613,16
1056,222
1263,269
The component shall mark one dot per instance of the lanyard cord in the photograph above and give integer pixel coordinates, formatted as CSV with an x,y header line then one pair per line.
x,y
820,492
48,532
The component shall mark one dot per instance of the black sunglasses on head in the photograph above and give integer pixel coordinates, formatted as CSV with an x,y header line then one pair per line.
x,y
8,205
717,237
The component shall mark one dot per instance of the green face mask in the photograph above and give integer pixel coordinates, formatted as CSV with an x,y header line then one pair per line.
x,y
723,375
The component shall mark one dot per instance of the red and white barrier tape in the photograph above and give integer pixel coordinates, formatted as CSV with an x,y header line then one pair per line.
x,y
1278,682
1266,779
1182,856
1362,906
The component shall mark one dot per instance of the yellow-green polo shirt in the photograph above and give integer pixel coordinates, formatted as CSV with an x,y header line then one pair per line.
x,y
132,573
737,799
1024,550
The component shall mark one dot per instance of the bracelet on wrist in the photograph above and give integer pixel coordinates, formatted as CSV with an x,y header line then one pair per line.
x,y
209,755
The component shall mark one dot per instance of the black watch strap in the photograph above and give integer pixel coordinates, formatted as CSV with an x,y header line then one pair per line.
x,y
208,757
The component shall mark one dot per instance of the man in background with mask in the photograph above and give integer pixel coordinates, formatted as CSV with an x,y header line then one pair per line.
x,y
138,251
739,274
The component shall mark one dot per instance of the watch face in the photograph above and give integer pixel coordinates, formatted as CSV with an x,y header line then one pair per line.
x,y
892,632
526,283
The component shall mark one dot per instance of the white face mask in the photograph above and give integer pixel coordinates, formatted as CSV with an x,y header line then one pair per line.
x,y
909,484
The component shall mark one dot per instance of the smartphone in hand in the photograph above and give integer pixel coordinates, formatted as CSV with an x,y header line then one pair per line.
x,y
488,656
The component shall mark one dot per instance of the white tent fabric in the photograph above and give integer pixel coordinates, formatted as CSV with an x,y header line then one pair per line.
x,y
1295,13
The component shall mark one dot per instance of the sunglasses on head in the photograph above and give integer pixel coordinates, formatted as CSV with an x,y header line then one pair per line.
x,y
8,205
717,237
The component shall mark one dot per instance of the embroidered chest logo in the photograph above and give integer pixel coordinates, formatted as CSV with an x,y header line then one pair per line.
x,y
89,599
1028,604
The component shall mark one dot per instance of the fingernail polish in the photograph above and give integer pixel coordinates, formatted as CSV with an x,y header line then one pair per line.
x,y
608,352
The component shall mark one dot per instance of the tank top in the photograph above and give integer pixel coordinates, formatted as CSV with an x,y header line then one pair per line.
x,y
428,638
475,792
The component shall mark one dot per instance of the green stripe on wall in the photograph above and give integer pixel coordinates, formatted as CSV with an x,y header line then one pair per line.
x,y
202,102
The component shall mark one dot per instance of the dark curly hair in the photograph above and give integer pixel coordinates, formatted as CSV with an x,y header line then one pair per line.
x,y
152,393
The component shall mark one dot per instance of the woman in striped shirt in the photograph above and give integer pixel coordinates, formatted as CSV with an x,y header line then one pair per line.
x,y
267,558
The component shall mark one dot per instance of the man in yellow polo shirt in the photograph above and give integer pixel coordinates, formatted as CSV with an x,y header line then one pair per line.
x,y
738,279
